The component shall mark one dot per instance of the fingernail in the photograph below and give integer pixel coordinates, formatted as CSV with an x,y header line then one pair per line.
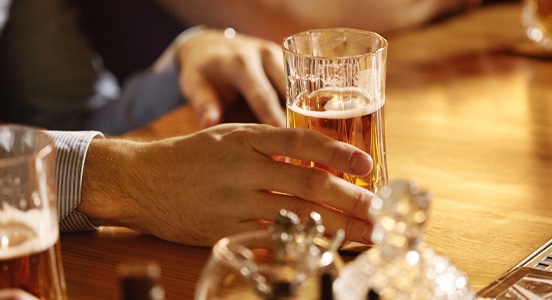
x,y
360,163
209,117
367,233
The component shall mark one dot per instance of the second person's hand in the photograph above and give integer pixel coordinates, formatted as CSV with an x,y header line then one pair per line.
x,y
217,69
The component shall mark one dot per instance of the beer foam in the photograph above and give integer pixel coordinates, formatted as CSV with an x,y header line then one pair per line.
x,y
352,107
31,231
336,114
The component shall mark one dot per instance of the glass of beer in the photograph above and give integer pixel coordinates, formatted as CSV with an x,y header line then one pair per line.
x,y
537,20
30,257
336,85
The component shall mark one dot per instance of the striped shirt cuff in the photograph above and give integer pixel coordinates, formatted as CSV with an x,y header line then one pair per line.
x,y
71,149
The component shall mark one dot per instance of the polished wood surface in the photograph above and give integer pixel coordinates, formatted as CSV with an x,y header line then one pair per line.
x,y
468,115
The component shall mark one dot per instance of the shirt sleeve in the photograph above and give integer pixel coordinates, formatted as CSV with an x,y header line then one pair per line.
x,y
71,147
145,96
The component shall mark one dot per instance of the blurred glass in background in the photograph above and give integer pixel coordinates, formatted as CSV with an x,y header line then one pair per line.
x,y
536,17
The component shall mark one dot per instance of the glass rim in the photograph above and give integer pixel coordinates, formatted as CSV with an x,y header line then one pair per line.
x,y
43,149
372,34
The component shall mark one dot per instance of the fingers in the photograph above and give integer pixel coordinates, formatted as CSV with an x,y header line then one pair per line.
x,y
215,69
274,67
253,80
310,145
298,189
344,205
317,186
267,206
203,98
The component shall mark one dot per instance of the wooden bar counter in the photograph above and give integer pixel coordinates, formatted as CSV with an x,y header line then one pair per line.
x,y
468,115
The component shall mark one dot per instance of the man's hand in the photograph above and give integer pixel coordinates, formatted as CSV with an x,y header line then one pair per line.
x,y
199,188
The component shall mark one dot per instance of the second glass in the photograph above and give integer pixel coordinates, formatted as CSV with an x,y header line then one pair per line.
x,y
30,253
336,85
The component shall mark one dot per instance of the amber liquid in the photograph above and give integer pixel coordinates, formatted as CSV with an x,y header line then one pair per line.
x,y
30,264
349,116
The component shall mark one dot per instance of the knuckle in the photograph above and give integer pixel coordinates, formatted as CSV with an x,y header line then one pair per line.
x,y
361,203
296,139
242,133
313,181
252,136
239,59
249,132
336,153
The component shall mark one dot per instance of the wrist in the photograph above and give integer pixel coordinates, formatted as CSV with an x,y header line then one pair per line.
x,y
105,194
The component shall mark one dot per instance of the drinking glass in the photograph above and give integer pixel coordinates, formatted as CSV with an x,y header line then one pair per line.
x,y
243,266
30,257
537,19
336,85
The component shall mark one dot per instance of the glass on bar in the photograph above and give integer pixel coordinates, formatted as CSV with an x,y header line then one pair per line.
x,y
30,253
336,85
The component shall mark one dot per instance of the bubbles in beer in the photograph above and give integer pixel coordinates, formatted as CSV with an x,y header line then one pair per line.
x,y
347,115
336,103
